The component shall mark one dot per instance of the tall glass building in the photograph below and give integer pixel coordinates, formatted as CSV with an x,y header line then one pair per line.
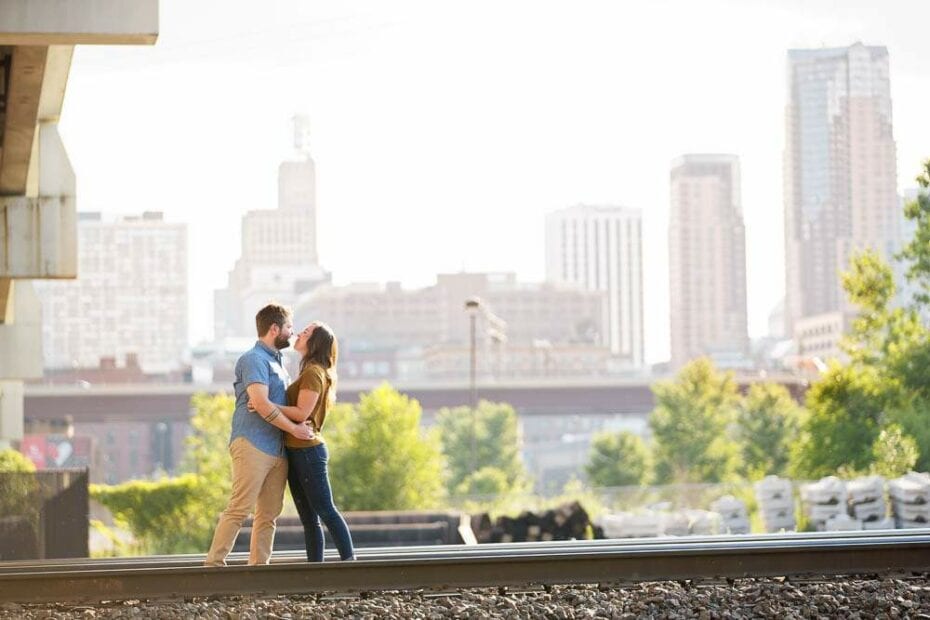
x,y
840,172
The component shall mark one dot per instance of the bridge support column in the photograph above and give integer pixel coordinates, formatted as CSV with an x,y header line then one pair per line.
x,y
20,352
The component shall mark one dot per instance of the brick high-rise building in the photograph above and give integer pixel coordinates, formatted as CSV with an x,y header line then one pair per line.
x,y
707,261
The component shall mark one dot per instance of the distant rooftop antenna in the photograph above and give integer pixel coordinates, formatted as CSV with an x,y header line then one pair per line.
x,y
302,133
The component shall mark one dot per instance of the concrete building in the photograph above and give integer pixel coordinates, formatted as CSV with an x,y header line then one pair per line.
x,y
819,336
129,300
840,172
279,248
599,248
392,332
38,222
707,261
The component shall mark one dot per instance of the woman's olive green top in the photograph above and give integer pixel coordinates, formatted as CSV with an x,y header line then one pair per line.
x,y
315,379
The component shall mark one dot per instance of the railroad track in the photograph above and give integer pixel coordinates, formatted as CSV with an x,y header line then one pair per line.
x,y
449,567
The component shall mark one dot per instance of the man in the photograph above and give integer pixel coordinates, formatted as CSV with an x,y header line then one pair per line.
x,y
256,445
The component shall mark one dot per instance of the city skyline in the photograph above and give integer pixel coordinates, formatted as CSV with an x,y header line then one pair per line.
x,y
457,165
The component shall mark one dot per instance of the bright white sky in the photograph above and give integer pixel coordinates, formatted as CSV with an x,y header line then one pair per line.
x,y
444,131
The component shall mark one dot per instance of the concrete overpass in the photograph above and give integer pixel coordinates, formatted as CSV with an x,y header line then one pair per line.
x,y
141,427
150,401
38,227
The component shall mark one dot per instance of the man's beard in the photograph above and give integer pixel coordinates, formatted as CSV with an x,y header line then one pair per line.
x,y
281,343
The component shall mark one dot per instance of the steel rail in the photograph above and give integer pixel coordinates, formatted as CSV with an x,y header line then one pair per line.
x,y
431,551
566,563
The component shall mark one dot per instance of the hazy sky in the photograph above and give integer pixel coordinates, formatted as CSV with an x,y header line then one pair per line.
x,y
444,131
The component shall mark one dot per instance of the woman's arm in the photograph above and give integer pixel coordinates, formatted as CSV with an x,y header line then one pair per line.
x,y
259,403
306,401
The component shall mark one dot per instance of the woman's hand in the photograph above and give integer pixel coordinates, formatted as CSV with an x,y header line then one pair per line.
x,y
303,431
250,406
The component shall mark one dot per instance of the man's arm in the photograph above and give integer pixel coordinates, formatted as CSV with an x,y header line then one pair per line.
x,y
258,396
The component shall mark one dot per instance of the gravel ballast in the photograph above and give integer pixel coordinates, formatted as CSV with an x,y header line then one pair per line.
x,y
746,598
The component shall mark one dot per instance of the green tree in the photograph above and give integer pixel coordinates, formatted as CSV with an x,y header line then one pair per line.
x,y
14,461
618,459
207,454
18,486
164,515
889,351
894,453
379,458
767,425
843,420
692,423
486,481
177,515
496,442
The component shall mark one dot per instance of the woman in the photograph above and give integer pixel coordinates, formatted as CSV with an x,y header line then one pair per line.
x,y
309,399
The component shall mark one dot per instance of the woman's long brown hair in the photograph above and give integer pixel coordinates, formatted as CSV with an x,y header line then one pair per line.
x,y
323,350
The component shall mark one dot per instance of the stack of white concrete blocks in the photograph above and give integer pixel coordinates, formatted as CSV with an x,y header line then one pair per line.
x,y
703,522
842,522
824,500
776,503
674,524
630,524
910,500
733,515
866,498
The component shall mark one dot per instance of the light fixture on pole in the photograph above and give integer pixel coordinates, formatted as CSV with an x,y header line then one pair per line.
x,y
472,305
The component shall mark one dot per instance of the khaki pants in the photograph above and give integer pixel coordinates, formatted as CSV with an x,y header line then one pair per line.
x,y
258,481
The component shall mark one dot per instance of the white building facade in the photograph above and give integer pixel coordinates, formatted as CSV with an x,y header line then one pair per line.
x,y
599,248
129,300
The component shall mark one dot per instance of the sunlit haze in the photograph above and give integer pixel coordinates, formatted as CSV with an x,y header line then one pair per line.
x,y
444,132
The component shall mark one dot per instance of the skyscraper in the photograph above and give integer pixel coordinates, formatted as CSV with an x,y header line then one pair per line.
x,y
279,252
840,172
707,261
129,300
599,248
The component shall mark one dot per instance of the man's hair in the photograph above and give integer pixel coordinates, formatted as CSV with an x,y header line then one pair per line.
x,y
272,314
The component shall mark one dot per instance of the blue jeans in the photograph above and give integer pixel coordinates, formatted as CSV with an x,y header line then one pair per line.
x,y
308,479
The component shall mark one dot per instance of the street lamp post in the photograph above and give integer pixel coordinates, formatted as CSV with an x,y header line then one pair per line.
x,y
472,305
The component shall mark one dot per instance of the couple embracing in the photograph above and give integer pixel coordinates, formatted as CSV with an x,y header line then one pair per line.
x,y
276,440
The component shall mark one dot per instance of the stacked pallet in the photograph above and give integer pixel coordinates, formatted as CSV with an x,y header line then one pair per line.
x,y
565,522
776,503
910,500
824,500
376,529
733,515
